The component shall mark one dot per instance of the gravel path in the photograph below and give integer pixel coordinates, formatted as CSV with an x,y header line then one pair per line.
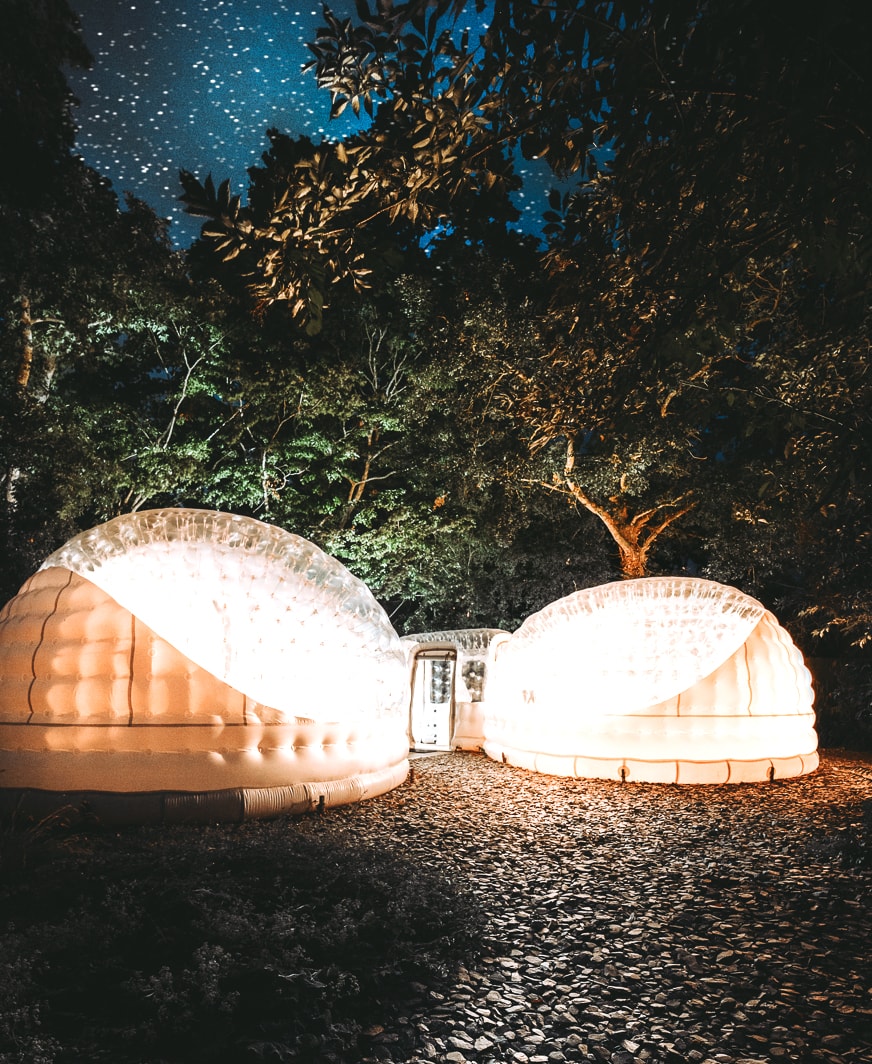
x,y
639,923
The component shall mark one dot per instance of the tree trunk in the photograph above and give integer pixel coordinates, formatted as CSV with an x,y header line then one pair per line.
x,y
634,561
25,360
357,488
22,379
633,535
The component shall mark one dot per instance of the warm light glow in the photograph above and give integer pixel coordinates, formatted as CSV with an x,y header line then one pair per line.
x,y
261,609
185,650
665,679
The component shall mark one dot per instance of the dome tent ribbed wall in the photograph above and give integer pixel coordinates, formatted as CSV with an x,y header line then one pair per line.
x,y
663,679
184,663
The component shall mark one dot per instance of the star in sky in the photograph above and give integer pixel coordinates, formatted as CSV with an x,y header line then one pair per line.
x,y
194,85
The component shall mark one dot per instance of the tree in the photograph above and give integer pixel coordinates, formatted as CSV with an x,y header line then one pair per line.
x,y
526,548
94,380
720,123
40,38
104,344
359,425
698,105
321,213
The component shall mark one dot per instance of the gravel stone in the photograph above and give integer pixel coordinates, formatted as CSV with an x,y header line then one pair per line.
x,y
636,923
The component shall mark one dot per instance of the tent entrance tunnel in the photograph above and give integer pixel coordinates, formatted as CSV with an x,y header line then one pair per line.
x,y
431,714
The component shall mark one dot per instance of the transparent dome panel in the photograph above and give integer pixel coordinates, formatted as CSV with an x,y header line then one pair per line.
x,y
635,642
260,608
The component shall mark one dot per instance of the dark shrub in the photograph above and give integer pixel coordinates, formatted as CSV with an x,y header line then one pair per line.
x,y
269,940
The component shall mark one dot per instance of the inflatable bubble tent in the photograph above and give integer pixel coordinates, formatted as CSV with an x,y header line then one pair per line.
x,y
660,679
186,664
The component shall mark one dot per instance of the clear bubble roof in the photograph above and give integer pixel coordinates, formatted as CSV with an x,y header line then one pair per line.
x,y
264,610
642,640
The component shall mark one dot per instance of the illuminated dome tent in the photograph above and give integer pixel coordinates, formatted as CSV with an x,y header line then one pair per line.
x,y
663,679
178,664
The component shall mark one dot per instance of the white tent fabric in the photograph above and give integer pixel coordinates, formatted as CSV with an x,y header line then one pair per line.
x,y
665,679
190,653
263,610
181,663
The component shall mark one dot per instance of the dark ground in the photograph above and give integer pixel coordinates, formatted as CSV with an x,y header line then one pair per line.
x,y
478,913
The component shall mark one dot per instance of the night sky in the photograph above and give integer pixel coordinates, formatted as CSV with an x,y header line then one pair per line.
x,y
194,85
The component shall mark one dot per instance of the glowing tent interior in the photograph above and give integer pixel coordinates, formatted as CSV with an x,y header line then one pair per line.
x,y
185,664
662,679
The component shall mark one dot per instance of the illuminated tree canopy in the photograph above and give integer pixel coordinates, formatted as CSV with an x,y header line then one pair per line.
x,y
711,263
689,108
670,376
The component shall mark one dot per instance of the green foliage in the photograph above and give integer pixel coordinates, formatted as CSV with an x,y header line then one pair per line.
x,y
104,353
676,383
687,358
696,103
266,941
843,697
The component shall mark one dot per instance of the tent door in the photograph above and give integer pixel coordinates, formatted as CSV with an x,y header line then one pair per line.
x,y
431,718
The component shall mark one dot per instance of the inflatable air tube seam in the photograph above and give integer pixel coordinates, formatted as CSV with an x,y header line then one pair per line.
x,y
198,807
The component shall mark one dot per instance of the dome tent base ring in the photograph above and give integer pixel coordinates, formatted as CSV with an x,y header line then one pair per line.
x,y
233,805
634,770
